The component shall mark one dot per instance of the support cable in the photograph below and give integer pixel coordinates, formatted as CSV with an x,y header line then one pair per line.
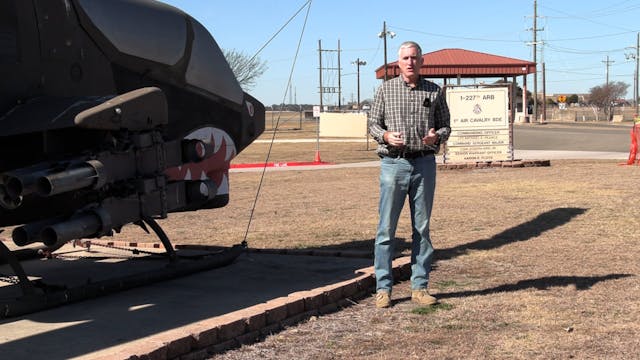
x,y
282,28
275,129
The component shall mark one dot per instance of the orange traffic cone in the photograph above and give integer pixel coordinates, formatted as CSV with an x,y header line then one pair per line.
x,y
633,150
316,159
636,129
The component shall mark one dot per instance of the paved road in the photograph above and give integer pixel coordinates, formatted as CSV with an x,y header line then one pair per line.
x,y
573,137
551,141
578,136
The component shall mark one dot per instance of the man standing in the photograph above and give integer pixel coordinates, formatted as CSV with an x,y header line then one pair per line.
x,y
409,119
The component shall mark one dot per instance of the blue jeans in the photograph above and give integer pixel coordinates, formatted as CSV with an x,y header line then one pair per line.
x,y
399,178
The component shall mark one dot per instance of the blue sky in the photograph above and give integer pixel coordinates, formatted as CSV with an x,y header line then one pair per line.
x,y
577,37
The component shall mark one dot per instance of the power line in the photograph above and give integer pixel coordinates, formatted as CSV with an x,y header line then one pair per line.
x,y
571,72
612,10
579,51
608,25
484,39
457,37
572,80
594,36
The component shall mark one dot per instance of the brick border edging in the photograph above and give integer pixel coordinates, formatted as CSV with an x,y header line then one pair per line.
x,y
246,326
495,164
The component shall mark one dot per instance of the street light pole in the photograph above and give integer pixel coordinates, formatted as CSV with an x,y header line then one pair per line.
x,y
358,62
383,35
637,75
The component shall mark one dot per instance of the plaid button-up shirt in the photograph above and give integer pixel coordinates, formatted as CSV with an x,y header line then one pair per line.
x,y
412,111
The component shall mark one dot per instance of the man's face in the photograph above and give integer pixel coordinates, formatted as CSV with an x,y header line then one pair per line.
x,y
409,63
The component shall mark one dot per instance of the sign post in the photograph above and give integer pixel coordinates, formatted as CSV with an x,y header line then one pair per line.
x,y
562,102
480,128
316,114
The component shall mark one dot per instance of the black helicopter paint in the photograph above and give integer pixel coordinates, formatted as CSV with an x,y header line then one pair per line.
x,y
105,123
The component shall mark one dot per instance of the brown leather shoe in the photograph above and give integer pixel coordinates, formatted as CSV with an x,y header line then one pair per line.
x,y
422,297
383,299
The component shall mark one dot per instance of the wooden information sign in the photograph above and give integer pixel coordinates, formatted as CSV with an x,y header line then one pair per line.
x,y
480,129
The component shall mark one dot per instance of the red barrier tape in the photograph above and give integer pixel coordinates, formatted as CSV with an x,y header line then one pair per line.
x,y
279,164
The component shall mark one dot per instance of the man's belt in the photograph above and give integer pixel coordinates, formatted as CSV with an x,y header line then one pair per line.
x,y
411,155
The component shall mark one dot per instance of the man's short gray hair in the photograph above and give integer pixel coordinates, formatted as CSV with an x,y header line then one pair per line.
x,y
410,44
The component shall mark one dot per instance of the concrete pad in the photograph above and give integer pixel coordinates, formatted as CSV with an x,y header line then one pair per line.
x,y
186,315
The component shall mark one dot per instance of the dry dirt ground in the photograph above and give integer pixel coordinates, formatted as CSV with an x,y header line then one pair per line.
x,y
531,263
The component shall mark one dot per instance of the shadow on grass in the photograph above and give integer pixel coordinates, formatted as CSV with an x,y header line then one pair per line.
x,y
525,231
543,283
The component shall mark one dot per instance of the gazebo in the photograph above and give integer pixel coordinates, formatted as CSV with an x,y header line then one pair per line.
x,y
460,63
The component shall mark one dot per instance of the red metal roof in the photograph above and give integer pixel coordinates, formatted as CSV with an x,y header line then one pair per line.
x,y
451,63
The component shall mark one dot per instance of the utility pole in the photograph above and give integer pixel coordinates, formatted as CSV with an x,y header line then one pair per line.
x,y
636,76
544,95
320,68
535,55
329,89
544,86
607,64
339,79
609,100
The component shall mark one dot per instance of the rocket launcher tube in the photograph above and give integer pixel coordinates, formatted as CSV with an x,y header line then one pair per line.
x,y
87,224
81,227
22,182
31,233
89,174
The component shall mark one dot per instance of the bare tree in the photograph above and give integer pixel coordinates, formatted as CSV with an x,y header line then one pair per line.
x,y
603,96
246,69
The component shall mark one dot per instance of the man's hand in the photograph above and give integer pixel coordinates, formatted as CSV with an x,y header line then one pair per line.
x,y
431,138
394,138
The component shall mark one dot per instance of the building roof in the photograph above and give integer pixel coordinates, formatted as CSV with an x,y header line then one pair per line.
x,y
451,63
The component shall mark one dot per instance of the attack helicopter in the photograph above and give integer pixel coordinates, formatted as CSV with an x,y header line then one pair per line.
x,y
112,113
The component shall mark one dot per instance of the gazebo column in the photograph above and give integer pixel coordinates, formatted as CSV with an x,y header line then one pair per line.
x,y
512,98
525,107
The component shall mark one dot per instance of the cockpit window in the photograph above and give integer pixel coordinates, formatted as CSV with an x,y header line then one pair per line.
x,y
208,69
150,31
